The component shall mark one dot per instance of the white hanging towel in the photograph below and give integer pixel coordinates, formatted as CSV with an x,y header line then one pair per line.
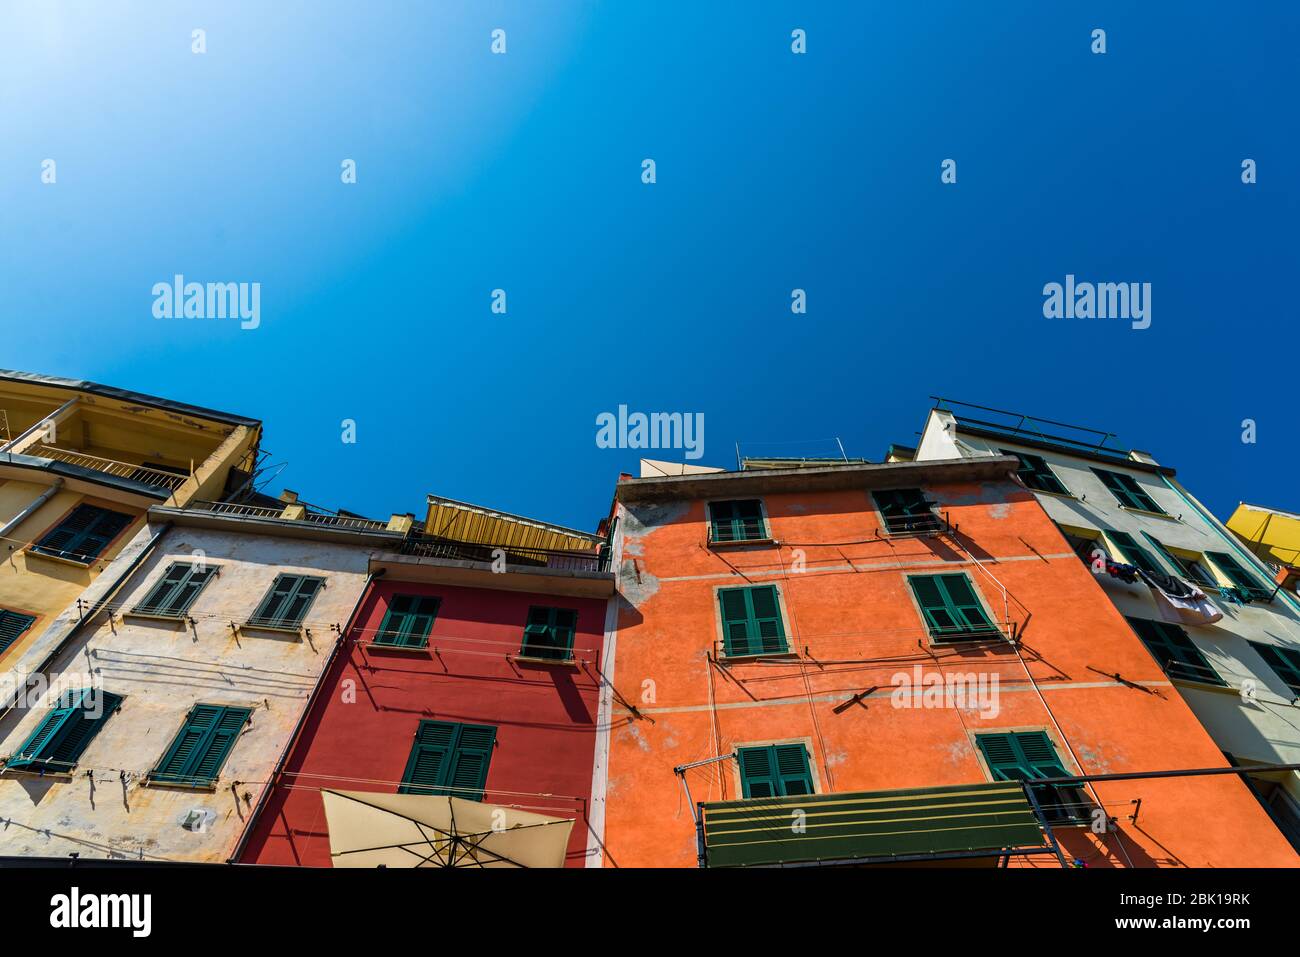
x,y
1181,602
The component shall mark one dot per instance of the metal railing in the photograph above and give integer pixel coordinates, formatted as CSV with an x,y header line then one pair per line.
x,y
136,473
425,547
316,518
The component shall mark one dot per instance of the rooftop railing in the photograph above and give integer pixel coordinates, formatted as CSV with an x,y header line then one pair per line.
x,y
425,547
127,470
316,518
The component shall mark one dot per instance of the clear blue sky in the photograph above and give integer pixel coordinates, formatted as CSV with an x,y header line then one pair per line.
x,y
775,171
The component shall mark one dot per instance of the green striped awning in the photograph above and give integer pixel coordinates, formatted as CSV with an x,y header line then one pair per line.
x,y
871,826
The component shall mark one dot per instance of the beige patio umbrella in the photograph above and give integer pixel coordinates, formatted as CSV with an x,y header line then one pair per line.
x,y
368,829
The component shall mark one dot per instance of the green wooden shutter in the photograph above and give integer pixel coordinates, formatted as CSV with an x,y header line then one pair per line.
x,y
952,610
200,748
751,621
83,534
1135,554
549,633
449,759
1036,473
737,521
1175,652
408,621
777,770
1285,661
67,730
286,604
1030,755
12,625
905,510
176,590
1128,491
1188,568
1239,576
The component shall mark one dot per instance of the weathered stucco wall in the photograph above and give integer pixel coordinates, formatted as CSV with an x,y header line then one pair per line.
x,y
162,669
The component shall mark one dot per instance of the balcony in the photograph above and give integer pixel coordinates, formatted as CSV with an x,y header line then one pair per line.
x,y
328,519
145,475
977,822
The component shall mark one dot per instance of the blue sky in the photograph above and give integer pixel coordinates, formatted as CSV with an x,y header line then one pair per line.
x,y
775,171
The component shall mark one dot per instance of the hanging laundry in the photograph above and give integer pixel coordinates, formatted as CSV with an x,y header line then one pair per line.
x,y
1234,595
1180,602
1125,573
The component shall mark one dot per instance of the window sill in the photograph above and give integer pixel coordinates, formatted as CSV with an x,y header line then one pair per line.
x,y
1142,511
1066,495
743,543
1198,685
46,556
983,638
417,651
754,657
27,772
569,662
151,782
281,629
149,616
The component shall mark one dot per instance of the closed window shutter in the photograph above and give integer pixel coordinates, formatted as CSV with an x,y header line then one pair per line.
x,y
408,621
735,621
766,611
1127,490
287,602
199,750
969,610
174,594
12,625
751,621
1285,661
1030,755
549,633
1174,651
951,608
83,534
449,759
778,770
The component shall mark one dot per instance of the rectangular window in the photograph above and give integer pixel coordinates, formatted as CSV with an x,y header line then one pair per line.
x,y
12,625
739,521
1083,547
201,746
549,633
449,759
408,621
176,590
1133,553
1127,491
66,731
1036,473
751,621
1239,576
952,609
1188,568
1175,652
1285,661
83,534
906,510
286,604
778,770
1030,755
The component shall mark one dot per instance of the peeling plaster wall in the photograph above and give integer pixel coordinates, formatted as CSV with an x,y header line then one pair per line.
x,y
162,669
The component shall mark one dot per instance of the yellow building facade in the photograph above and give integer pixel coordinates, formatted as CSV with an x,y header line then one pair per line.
x,y
80,464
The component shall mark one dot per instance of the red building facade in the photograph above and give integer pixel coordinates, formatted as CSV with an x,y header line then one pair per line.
x,y
444,648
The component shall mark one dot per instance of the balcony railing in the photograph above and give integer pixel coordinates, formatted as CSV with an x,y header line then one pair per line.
x,y
136,473
424,547
316,518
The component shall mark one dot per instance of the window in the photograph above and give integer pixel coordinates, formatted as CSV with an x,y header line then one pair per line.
x,y
286,604
408,621
1285,661
83,534
906,510
176,591
1175,652
739,521
1027,755
952,610
549,633
1127,491
201,746
449,759
779,770
1036,473
1083,547
67,730
12,625
1239,576
1189,568
1133,553
751,621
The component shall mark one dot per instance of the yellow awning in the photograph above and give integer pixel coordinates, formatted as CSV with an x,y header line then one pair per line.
x,y
369,829
463,522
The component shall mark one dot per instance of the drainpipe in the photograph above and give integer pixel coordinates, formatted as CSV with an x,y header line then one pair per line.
x,y
1251,558
95,609
253,817
32,506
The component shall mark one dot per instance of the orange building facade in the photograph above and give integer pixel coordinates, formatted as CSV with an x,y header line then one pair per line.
x,y
837,664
